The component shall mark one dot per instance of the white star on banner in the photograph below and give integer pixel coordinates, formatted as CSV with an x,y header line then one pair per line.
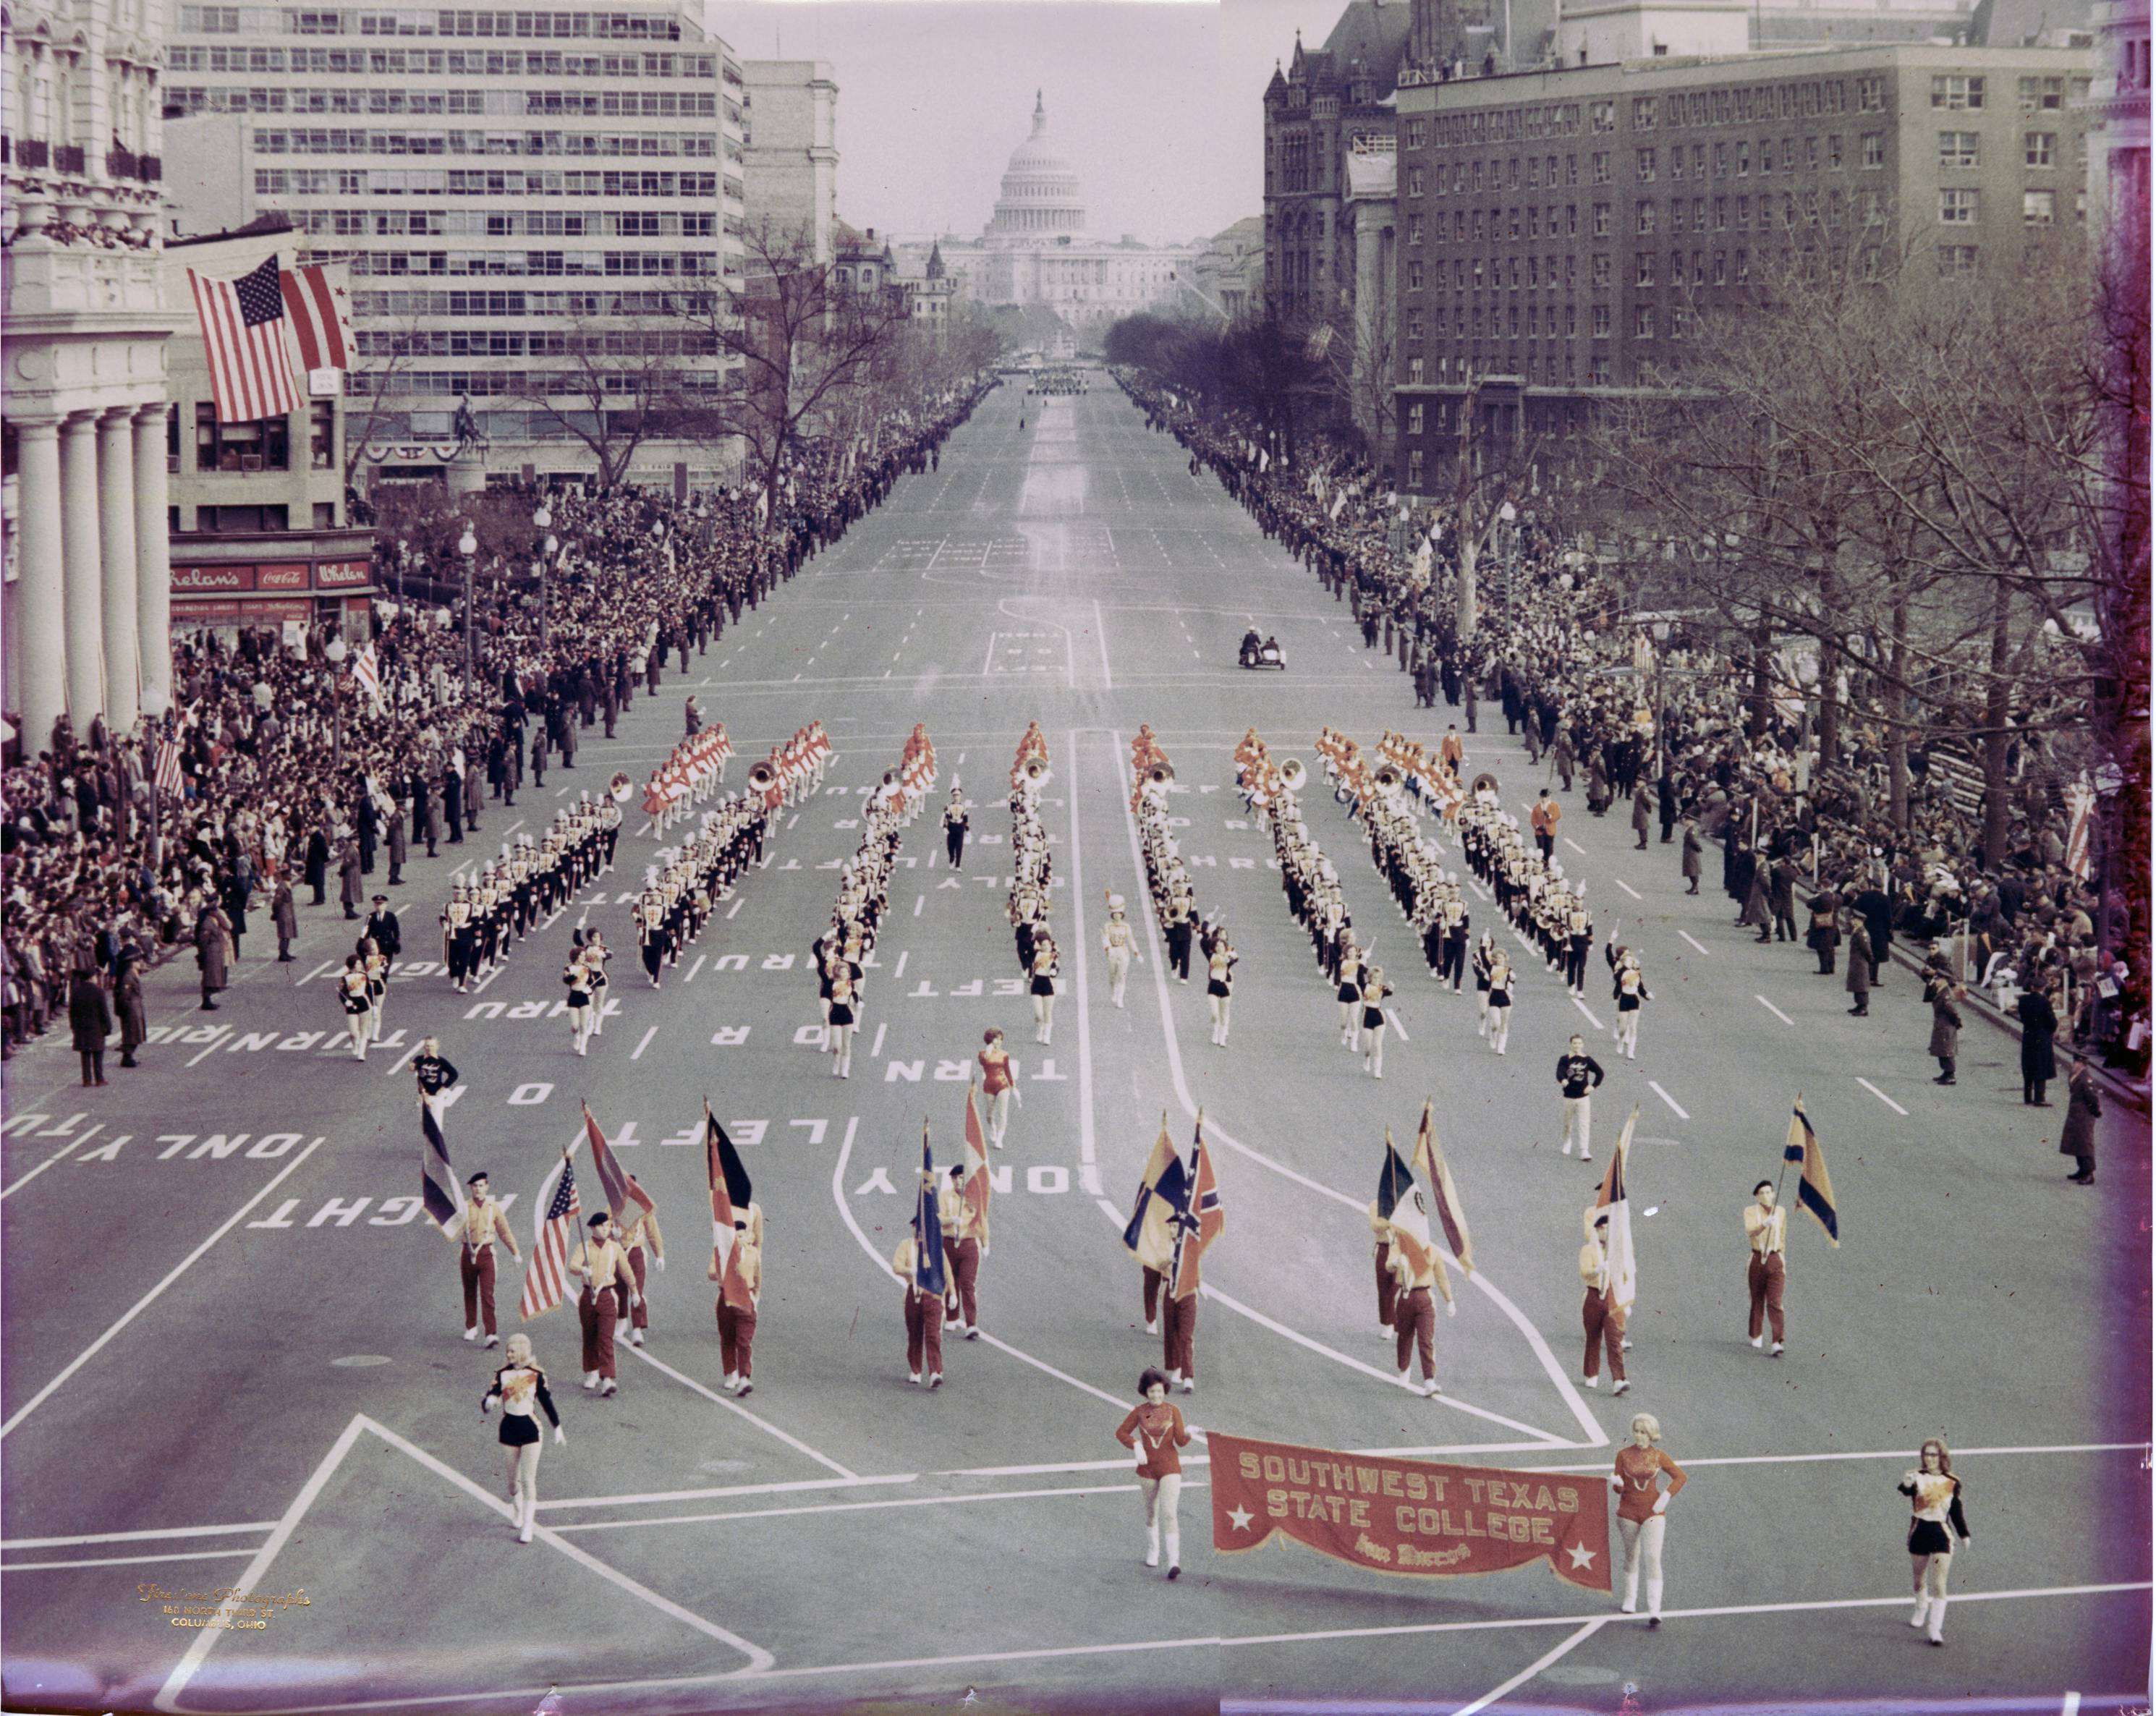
x,y
1239,1518
1582,1556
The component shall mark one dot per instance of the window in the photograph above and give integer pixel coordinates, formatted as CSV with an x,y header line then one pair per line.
x,y
1599,322
1646,220
1957,259
1722,215
1643,322
1598,371
1743,266
1602,220
1414,229
1789,155
1834,152
1598,168
1414,419
2041,94
1414,276
1571,321
1643,112
1414,181
263,444
2039,148
1645,159
1721,268
1871,151
1676,268
1957,149
321,435
1414,325
1722,161
1602,116
1599,272
1415,469
1643,274
1414,372
1956,92
1743,161
1958,208
1871,95
1743,214
2038,208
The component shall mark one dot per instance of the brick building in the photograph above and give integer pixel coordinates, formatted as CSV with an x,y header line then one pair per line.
x,y
1561,231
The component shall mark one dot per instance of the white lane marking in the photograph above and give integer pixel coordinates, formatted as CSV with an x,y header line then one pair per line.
x,y
1101,632
2072,1706
733,908
1630,889
212,1047
1774,1010
1399,1029
904,954
740,1412
1089,1170
1535,1668
123,1560
1882,1096
876,1048
883,1263
1687,934
1583,1008
41,1168
402,1059
1575,845
246,1528
151,1297
643,1042
788,1487
919,901
696,968
1080,1489
1668,1098
1559,1378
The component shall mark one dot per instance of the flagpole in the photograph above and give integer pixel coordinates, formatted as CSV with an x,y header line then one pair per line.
x,y
1784,1171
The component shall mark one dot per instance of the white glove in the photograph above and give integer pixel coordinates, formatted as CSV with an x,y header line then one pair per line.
x,y
1662,1503
486,1406
661,1262
1616,1483
560,1436
1451,1309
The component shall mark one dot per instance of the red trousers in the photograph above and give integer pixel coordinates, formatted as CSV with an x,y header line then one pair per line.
x,y
1389,1285
477,1270
638,1317
1153,1278
737,1337
1180,1336
924,1333
598,1314
1764,1277
1416,1317
1604,1320
962,1260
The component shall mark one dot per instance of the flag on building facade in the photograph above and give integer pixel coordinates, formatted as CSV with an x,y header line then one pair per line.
x,y
438,1190
242,327
1815,1190
321,313
1200,1221
1615,1197
554,1225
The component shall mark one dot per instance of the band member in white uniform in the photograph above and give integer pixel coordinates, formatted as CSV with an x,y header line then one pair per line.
x,y
1121,946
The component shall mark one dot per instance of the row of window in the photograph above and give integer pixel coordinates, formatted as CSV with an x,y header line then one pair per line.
x,y
533,264
498,223
437,62
263,444
2039,209
407,306
489,182
506,104
1562,321
2040,150
294,21
531,342
519,383
1530,224
342,141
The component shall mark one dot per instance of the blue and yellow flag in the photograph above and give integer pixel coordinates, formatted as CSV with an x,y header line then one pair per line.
x,y
1162,1195
1815,1189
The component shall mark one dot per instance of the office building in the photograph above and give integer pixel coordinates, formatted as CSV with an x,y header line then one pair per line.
x,y
790,151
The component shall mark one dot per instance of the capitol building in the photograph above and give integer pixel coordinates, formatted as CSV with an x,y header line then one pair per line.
x,y
1038,249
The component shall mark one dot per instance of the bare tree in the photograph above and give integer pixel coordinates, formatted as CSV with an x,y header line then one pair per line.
x,y
802,341
405,344
618,380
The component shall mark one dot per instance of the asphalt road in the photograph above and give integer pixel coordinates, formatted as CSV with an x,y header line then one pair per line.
x,y
233,1355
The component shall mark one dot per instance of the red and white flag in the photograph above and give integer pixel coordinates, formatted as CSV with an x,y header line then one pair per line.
x,y
321,310
369,672
243,325
730,1193
978,1191
1199,1222
169,767
546,1276
625,1198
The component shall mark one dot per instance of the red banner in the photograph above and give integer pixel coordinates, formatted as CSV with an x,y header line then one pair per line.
x,y
1408,1516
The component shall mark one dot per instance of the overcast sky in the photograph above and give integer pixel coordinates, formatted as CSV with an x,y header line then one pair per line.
x,y
1156,104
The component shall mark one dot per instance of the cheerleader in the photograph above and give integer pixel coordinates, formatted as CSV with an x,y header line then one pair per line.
x,y
1155,1431
1045,968
352,996
577,975
1349,994
1375,989
1936,1518
517,1385
1485,957
830,963
1629,991
1220,986
1643,1511
998,1079
1501,1002
377,968
842,1020
595,960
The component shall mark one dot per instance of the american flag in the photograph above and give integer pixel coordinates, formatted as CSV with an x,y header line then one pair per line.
x,y
547,1275
242,324
321,317
169,767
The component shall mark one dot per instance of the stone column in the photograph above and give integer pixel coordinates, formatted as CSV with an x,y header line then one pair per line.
x,y
153,589
41,635
83,604
115,496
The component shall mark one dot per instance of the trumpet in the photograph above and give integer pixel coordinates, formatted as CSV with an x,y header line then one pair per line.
x,y
762,777
1292,774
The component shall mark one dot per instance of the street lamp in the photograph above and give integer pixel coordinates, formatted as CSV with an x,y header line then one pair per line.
x,y
337,652
543,521
468,547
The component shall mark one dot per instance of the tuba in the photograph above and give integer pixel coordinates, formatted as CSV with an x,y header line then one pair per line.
x,y
1292,774
1482,781
1160,774
1388,778
1035,770
620,786
762,777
